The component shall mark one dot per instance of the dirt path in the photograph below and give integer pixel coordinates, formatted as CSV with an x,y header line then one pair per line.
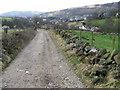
x,y
40,65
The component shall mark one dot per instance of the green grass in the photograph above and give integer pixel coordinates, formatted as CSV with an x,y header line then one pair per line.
x,y
74,60
75,23
101,40
81,67
6,18
97,22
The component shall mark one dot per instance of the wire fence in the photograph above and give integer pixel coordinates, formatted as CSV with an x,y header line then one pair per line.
x,y
98,39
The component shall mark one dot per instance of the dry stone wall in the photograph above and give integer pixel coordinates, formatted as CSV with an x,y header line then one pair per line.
x,y
102,59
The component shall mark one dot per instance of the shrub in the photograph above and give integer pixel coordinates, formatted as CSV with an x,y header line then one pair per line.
x,y
14,42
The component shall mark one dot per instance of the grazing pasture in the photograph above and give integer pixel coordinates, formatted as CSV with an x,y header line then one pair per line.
x,y
100,40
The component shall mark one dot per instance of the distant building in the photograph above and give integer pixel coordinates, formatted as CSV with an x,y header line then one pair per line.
x,y
95,29
44,20
117,15
85,18
86,28
5,27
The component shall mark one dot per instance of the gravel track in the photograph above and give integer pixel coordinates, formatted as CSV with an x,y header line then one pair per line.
x,y
40,65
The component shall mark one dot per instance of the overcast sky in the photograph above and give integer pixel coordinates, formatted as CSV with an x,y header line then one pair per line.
x,y
45,5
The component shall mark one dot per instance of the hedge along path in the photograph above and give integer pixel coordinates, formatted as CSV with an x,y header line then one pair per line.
x,y
40,65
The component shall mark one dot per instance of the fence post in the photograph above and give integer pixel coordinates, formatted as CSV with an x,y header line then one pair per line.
x,y
6,30
113,43
92,37
80,35
118,41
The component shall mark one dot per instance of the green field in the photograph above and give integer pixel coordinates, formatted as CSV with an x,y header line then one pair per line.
x,y
100,40
97,22
6,18
74,23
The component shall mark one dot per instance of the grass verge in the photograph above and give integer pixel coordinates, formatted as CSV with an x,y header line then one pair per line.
x,y
82,68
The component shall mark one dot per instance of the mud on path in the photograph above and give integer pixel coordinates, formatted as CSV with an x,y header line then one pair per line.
x,y
40,65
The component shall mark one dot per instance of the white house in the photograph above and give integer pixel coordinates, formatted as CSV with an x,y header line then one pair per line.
x,y
5,27
94,29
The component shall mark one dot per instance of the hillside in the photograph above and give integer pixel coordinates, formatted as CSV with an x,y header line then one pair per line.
x,y
85,10
21,13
